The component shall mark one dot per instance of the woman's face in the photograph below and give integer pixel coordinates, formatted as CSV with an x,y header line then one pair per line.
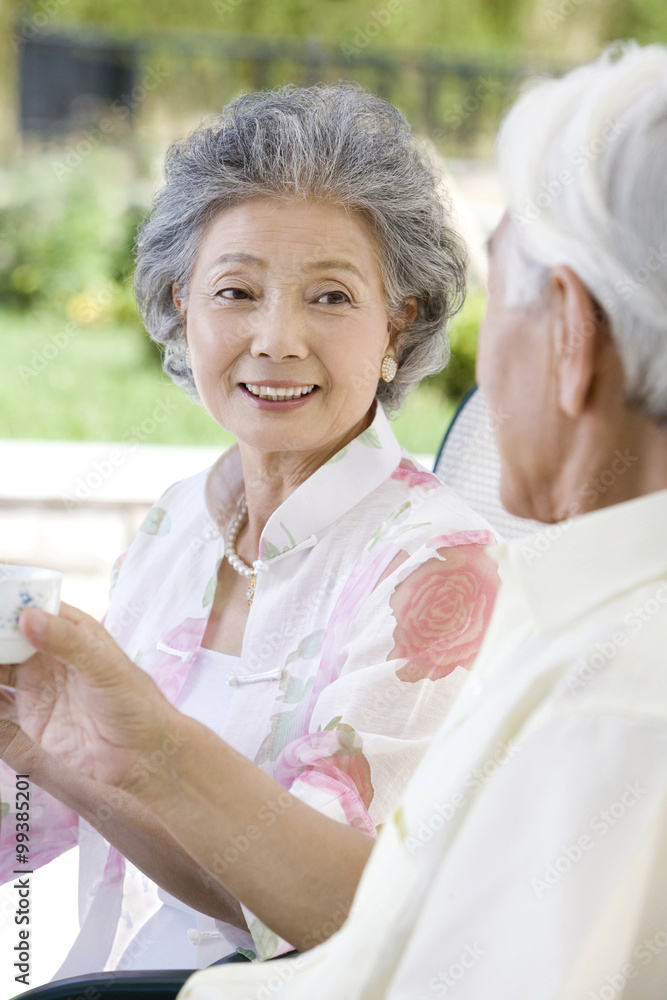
x,y
287,325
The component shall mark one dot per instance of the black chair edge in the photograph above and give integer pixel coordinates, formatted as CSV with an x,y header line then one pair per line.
x,y
157,985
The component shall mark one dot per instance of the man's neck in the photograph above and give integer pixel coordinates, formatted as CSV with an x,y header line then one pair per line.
x,y
612,464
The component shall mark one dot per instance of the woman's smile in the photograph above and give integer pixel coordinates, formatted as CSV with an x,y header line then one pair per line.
x,y
279,396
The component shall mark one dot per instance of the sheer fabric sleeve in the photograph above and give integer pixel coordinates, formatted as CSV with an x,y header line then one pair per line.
x,y
52,827
393,657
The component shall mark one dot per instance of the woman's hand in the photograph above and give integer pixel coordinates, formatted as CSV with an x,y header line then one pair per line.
x,y
82,700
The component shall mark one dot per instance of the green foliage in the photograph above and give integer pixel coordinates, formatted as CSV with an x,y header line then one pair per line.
x,y
532,27
459,375
645,20
471,24
68,234
96,382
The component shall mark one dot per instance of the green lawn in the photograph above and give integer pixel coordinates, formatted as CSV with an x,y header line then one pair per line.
x,y
101,382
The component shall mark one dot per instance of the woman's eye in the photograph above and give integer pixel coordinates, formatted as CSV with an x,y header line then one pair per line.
x,y
232,293
333,298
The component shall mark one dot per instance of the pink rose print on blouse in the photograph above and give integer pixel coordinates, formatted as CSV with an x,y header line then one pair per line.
x,y
332,760
169,670
408,473
476,537
442,611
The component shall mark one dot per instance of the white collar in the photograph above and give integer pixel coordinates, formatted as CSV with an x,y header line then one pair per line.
x,y
567,569
332,490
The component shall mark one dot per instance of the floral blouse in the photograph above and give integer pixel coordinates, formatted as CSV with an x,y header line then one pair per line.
x,y
373,594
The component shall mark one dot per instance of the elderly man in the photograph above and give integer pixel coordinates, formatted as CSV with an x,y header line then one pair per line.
x,y
528,859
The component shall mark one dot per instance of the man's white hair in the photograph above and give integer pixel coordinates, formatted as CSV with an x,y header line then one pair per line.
x,y
583,163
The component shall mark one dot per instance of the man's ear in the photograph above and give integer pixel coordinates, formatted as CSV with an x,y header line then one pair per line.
x,y
579,331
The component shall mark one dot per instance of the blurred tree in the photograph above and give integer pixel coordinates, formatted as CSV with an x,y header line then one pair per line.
x,y
581,27
540,28
8,76
456,24
645,20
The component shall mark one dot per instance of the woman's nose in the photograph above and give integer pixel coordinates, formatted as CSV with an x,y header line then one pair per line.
x,y
279,333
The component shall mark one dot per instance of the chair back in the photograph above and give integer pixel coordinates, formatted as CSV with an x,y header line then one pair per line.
x,y
469,462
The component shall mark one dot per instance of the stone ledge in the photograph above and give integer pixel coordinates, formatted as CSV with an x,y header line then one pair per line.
x,y
95,471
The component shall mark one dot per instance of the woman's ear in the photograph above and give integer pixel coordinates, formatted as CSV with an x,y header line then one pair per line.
x,y
398,322
178,301
181,309
580,330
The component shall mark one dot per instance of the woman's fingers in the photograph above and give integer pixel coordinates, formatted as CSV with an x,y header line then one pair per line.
x,y
36,626
76,616
8,710
32,622
8,674
72,638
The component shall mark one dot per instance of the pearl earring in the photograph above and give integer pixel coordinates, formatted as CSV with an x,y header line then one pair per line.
x,y
188,360
389,368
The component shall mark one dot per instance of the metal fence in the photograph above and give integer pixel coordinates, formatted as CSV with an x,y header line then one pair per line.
x,y
70,81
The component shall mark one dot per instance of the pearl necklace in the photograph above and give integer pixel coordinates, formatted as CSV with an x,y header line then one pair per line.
x,y
235,560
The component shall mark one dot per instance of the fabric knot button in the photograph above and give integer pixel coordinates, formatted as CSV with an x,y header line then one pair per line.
x,y
186,655
233,680
198,937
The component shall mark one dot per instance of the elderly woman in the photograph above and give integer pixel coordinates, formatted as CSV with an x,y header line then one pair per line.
x,y
315,598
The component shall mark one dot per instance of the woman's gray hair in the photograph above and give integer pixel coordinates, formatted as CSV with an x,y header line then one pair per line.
x,y
582,162
336,143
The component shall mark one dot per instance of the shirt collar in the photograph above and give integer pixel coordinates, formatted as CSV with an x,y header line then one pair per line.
x,y
567,569
332,490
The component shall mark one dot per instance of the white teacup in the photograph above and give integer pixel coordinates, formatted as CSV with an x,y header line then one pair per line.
x,y
24,587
